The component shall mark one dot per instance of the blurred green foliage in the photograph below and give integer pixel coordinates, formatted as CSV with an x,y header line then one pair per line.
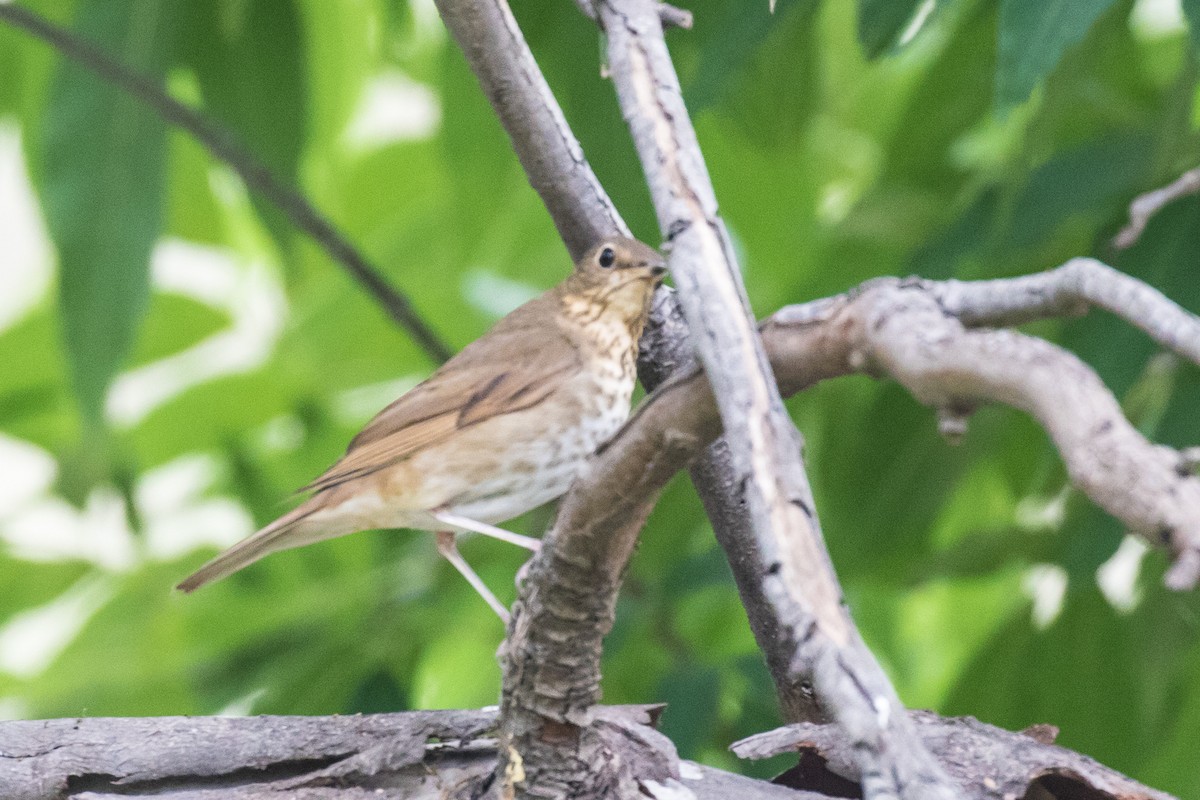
x,y
846,141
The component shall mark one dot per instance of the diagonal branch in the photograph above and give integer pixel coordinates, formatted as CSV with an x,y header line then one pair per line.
x,y
221,144
799,581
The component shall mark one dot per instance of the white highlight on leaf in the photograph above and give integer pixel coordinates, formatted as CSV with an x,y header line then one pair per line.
x,y
26,473
25,263
249,293
281,434
13,707
242,706
354,407
1154,19
1118,577
178,518
1046,585
54,530
1042,513
918,21
494,294
427,22
837,198
394,108
33,639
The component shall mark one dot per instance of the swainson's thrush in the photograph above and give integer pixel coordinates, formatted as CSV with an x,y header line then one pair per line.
x,y
499,429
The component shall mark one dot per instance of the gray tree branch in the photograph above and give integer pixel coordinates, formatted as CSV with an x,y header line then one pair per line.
x,y
1073,288
765,447
1145,206
989,763
416,755
432,755
887,329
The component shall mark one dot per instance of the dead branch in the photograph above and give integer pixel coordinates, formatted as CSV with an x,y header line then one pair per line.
x,y
907,335
1145,206
417,755
989,763
432,755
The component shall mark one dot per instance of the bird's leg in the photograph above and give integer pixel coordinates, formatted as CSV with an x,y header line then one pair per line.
x,y
466,524
449,550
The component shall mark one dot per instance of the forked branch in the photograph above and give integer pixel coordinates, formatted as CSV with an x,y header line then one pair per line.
x,y
886,329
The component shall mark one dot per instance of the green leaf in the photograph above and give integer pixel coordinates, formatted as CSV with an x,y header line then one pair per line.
x,y
102,191
28,584
1138,663
35,401
880,23
1191,10
1034,35
250,60
173,324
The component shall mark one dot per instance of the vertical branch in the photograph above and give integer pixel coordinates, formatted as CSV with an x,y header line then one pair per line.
x,y
796,574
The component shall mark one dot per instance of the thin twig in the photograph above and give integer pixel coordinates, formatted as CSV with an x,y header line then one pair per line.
x,y
221,144
1145,206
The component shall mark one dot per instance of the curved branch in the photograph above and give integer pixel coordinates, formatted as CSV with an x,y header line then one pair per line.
x,y
1145,206
889,328
946,365
223,147
1072,289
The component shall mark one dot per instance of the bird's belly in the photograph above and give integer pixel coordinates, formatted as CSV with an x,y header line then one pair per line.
x,y
540,465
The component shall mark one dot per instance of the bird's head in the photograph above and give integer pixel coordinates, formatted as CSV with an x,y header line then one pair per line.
x,y
620,260
620,274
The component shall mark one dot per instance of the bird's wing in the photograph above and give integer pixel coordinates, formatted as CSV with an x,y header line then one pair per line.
x,y
511,373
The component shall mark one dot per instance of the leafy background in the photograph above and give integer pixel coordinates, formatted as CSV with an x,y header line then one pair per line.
x,y
181,359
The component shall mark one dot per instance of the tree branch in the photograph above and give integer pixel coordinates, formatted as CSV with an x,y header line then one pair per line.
x,y
1071,289
221,144
1145,206
799,581
416,755
887,328
431,755
989,763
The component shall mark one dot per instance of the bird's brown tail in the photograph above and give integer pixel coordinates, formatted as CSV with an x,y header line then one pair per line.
x,y
270,539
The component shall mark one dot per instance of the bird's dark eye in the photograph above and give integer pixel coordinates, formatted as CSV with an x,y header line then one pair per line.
x,y
608,257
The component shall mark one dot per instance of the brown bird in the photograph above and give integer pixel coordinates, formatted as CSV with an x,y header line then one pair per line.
x,y
499,429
